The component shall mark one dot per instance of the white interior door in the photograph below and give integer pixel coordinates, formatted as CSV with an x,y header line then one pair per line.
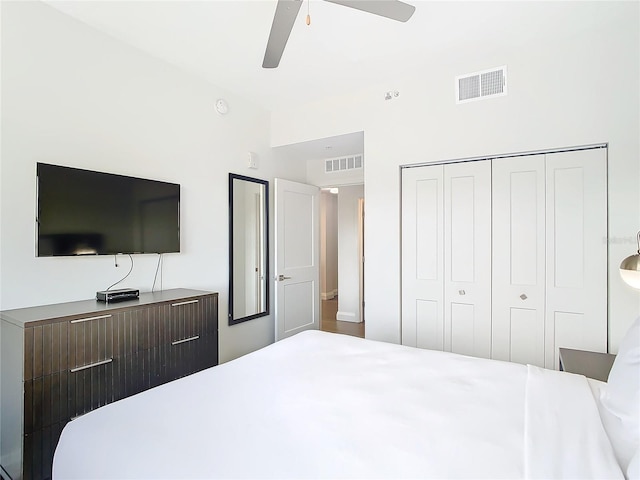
x,y
423,257
297,257
467,258
518,290
576,262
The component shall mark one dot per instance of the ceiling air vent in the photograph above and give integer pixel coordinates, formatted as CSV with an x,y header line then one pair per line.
x,y
339,164
479,85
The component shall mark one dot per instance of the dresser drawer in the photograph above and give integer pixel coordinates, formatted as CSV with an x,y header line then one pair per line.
x,y
68,344
46,401
39,447
91,388
193,318
149,368
45,349
140,371
91,341
186,320
189,357
62,396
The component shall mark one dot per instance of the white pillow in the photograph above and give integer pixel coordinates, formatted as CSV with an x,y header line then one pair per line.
x,y
621,396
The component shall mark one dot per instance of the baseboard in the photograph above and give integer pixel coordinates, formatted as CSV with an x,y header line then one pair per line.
x,y
329,295
347,317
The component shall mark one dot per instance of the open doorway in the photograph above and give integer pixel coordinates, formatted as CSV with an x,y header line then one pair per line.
x,y
334,163
341,259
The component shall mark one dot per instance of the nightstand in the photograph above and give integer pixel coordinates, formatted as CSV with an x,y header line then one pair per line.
x,y
594,365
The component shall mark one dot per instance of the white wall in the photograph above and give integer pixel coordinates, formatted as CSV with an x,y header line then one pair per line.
x,y
74,96
563,91
348,253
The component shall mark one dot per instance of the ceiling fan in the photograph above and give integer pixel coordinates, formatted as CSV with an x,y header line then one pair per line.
x,y
287,11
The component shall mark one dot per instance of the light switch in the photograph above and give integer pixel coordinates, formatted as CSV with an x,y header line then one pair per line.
x,y
252,160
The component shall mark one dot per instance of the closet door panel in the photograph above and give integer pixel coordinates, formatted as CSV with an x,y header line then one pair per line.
x,y
518,262
428,230
467,258
568,329
576,265
568,208
461,215
463,325
422,257
526,336
429,332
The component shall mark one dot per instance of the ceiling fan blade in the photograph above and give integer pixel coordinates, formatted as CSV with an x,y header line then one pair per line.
x,y
283,19
393,9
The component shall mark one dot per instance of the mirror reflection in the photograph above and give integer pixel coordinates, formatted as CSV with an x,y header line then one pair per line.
x,y
248,248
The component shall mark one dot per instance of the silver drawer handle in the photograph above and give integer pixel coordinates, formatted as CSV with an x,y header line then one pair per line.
x,y
462,292
91,365
184,303
190,339
88,319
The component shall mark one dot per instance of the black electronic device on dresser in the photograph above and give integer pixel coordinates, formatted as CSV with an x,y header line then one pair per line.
x,y
117,295
60,361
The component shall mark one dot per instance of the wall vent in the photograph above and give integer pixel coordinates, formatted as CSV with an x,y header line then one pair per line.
x,y
480,85
350,162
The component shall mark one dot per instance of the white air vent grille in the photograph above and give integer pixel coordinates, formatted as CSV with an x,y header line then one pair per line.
x,y
479,85
340,164
468,88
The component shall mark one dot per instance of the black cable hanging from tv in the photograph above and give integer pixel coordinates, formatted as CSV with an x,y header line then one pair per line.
x,y
155,277
128,273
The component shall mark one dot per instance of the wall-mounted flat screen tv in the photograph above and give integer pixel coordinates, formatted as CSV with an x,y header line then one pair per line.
x,y
83,212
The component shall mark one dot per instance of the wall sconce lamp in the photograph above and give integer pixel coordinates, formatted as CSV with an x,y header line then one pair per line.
x,y
630,268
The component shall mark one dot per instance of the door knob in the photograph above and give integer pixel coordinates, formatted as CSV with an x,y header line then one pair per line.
x,y
281,278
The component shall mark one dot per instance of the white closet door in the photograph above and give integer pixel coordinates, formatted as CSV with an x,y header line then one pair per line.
x,y
576,268
423,257
467,254
518,290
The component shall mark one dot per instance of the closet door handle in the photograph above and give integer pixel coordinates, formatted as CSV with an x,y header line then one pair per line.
x,y
523,297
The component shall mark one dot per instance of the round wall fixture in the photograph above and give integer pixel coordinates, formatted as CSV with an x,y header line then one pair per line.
x,y
221,106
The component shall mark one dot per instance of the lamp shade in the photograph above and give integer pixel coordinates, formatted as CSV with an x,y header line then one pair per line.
x,y
630,268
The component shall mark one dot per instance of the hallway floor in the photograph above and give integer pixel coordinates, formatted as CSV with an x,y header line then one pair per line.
x,y
330,324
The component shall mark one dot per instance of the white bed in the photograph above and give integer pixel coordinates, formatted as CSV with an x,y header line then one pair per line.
x,y
322,405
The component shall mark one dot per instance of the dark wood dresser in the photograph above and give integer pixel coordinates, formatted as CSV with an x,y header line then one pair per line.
x,y
60,361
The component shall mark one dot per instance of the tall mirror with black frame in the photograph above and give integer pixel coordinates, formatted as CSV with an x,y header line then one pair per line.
x,y
248,248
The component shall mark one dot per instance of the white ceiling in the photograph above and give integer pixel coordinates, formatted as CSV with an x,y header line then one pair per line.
x,y
344,49
332,147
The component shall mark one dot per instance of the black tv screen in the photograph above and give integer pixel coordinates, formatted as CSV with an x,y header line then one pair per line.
x,y
82,212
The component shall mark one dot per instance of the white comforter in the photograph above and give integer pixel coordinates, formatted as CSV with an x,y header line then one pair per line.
x,y
322,405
